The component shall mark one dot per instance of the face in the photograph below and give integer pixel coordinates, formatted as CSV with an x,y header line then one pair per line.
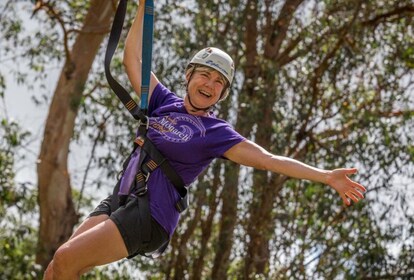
x,y
205,87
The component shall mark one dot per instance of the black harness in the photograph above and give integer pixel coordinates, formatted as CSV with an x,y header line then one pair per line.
x,y
150,157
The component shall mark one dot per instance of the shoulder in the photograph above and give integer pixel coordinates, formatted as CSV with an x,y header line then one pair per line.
x,y
219,124
162,96
221,136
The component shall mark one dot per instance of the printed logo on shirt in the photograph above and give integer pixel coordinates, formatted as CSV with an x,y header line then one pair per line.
x,y
178,128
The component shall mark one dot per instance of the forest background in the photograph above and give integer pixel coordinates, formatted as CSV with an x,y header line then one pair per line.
x,y
330,83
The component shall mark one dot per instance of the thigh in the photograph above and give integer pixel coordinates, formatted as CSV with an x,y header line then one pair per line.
x,y
89,223
98,215
98,245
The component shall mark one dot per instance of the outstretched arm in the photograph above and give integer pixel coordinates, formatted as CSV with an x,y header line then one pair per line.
x,y
133,52
250,154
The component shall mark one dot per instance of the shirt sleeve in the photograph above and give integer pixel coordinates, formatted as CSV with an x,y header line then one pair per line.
x,y
161,96
223,138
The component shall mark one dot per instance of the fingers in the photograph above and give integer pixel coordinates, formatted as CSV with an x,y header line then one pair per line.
x,y
349,190
355,185
351,170
359,187
345,200
352,195
359,194
355,196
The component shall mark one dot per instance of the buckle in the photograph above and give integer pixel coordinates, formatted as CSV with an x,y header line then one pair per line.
x,y
119,175
141,176
142,191
146,123
146,176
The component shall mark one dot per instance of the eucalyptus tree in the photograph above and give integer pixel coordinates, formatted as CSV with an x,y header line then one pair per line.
x,y
17,206
325,82
73,33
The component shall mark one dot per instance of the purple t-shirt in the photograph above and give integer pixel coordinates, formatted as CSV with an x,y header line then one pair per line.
x,y
189,143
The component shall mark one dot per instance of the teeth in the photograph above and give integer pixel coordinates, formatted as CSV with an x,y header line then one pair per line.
x,y
205,93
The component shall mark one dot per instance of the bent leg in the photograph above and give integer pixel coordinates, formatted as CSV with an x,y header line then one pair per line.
x,y
84,226
89,223
101,244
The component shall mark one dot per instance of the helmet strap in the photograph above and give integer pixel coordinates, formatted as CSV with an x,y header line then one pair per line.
x,y
206,109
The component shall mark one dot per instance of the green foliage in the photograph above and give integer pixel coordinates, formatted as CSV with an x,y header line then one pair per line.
x,y
339,102
18,207
18,235
15,261
337,92
13,138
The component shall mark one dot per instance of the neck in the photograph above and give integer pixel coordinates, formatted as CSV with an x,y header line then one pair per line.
x,y
194,110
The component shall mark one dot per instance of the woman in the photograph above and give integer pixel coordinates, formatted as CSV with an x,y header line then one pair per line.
x,y
190,137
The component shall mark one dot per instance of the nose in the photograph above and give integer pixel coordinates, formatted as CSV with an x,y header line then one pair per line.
x,y
210,83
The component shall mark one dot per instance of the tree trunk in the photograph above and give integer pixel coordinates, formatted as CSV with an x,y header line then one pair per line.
x,y
260,221
212,200
227,223
57,213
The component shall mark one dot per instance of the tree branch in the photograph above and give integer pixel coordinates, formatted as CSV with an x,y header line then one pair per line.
x,y
101,128
279,29
400,11
250,39
323,66
53,14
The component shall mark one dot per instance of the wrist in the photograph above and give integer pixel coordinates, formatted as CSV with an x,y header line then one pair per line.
x,y
327,177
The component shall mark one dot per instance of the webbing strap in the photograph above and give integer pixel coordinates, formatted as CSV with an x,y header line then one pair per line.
x,y
158,160
147,37
113,41
143,203
139,113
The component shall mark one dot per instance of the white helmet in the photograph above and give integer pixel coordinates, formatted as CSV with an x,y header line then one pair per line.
x,y
216,59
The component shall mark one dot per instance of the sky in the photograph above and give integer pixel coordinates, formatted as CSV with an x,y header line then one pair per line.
x,y
18,106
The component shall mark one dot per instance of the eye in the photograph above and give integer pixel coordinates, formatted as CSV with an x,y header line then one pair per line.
x,y
220,82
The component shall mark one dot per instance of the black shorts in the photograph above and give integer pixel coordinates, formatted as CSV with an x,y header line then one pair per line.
x,y
126,218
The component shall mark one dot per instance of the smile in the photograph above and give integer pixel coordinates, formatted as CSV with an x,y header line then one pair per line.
x,y
206,94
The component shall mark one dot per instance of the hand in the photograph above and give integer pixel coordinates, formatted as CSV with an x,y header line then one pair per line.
x,y
347,189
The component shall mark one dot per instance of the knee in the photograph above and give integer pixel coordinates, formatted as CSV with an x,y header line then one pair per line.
x,y
48,275
61,263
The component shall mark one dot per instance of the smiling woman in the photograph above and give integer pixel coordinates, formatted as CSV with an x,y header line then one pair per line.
x,y
207,85
210,59
189,137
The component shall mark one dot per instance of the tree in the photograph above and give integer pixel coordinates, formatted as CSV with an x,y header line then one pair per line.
x,y
325,82
17,208
306,93
57,213
74,34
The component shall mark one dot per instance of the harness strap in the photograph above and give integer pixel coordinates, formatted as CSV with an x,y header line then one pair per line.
x,y
140,191
113,41
116,202
158,160
139,113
